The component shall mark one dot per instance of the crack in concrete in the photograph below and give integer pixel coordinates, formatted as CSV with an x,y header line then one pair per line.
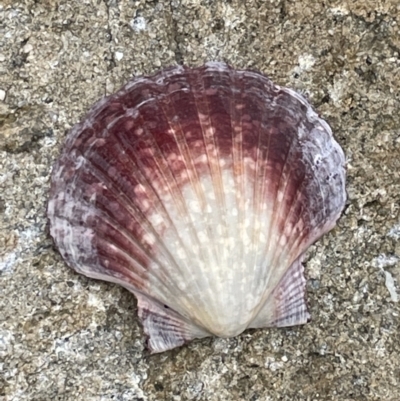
x,y
174,34
110,37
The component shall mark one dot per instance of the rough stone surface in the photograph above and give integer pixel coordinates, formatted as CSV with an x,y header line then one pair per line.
x,y
65,337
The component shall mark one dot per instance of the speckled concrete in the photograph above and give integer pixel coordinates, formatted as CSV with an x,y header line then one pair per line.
x,y
65,337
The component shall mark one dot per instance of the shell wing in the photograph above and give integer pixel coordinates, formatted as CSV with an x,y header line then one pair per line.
x,y
286,306
199,189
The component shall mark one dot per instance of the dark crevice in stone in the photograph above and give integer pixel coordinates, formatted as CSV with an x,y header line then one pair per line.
x,y
31,144
175,35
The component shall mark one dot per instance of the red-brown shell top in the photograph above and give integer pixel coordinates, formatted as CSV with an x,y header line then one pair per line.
x,y
199,190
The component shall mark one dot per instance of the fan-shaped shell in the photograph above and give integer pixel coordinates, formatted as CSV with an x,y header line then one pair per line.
x,y
199,190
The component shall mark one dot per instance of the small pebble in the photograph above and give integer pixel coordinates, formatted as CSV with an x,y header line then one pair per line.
x,y
119,56
138,24
27,48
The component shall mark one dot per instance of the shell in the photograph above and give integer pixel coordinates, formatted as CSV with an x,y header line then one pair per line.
x,y
199,190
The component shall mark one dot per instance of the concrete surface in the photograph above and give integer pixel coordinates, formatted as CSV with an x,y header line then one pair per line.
x,y
65,337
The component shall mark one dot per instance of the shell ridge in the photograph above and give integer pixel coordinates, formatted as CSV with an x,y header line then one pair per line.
x,y
238,168
195,80
164,169
249,98
117,249
202,104
136,278
75,252
111,185
329,210
145,180
299,189
209,141
312,166
182,202
256,89
272,88
74,256
133,210
275,215
219,186
279,215
210,122
177,195
182,145
286,216
168,179
293,247
258,188
264,280
136,269
281,250
260,192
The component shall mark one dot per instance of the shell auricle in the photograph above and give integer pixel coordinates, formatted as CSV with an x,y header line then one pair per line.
x,y
199,190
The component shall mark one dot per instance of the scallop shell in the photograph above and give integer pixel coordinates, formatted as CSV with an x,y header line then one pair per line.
x,y
199,190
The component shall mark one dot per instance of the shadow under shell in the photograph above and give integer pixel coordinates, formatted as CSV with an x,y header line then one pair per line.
x,y
199,190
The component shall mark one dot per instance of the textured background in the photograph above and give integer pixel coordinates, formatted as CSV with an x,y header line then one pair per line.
x,y
65,337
